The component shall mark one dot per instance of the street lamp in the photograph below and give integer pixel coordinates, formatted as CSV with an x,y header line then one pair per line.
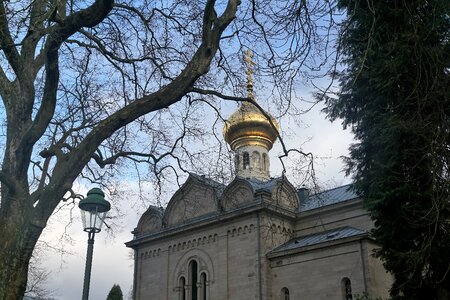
x,y
93,212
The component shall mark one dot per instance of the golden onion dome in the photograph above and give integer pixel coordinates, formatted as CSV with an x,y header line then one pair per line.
x,y
249,126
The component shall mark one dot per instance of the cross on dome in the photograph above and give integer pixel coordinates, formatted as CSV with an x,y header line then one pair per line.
x,y
248,60
251,133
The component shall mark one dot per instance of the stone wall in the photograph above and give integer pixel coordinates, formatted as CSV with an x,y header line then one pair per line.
x,y
318,274
232,250
228,253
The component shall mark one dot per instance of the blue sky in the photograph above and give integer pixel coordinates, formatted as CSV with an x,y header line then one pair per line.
x,y
112,263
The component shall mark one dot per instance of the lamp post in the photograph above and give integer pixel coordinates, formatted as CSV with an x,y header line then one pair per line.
x,y
93,212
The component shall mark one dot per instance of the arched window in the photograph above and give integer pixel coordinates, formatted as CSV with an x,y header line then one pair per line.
x,y
182,291
203,280
193,278
346,286
265,162
236,161
256,160
285,293
246,160
193,267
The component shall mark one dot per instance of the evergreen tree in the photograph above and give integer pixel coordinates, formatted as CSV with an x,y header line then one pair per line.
x,y
395,97
115,293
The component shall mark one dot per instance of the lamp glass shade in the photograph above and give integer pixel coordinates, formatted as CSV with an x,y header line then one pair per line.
x,y
93,220
94,209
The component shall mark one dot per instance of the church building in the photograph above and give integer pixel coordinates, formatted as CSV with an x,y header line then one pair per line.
x,y
257,237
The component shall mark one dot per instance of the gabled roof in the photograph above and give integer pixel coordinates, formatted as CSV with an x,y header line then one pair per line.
x,y
325,198
259,185
318,238
218,187
158,209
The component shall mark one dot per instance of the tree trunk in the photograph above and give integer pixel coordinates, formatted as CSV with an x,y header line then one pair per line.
x,y
18,236
443,292
23,215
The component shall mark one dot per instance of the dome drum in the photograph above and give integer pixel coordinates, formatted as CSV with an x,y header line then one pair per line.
x,y
251,133
250,140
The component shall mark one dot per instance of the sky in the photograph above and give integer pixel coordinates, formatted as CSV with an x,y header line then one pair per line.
x,y
112,262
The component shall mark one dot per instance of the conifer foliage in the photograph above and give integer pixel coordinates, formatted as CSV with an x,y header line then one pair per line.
x,y
395,98
115,293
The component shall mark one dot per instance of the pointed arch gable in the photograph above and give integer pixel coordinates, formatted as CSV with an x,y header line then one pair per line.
x,y
150,221
285,194
237,193
194,199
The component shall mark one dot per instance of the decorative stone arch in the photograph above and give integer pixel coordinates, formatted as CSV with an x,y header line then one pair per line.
x,y
237,193
285,194
182,268
194,199
151,221
203,259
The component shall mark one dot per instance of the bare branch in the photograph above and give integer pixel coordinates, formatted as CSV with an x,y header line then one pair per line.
x,y
7,44
88,17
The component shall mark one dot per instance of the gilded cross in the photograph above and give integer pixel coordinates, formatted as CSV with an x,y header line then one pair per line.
x,y
248,59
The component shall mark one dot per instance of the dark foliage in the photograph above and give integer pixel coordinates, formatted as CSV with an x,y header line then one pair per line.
x,y
395,97
115,293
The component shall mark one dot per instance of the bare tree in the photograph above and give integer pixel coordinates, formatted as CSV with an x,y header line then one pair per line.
x,y
89,85
39,275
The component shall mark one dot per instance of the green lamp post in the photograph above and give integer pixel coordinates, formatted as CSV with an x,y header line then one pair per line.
x,y
94,209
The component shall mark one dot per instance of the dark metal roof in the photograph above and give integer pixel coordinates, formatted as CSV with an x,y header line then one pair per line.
x,y
259,185
317,238
217,186
333,196
158,209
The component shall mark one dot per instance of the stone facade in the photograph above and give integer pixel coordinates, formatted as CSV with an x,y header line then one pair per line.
x,y
255,239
